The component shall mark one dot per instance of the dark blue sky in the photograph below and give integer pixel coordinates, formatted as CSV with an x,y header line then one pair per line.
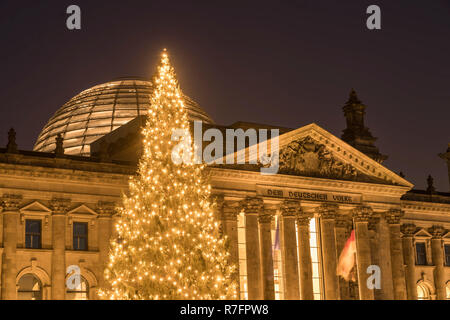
x,y
286,63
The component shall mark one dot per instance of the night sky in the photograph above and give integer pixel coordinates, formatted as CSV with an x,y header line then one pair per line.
x,y
286,63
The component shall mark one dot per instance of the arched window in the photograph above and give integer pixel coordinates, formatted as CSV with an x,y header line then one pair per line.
x,y
423,293
80,292
30,288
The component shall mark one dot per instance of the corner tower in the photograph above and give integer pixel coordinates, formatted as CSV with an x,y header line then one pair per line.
x,y
356,134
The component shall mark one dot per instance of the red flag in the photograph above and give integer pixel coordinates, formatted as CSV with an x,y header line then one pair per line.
x,y
347,258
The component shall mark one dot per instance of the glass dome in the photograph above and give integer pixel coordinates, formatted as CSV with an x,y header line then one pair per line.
x,y
99,110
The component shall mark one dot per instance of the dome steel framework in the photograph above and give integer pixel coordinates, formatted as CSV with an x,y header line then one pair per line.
x,y
99,110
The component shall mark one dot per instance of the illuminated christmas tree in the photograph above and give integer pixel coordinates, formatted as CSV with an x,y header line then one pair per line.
x,y
168,244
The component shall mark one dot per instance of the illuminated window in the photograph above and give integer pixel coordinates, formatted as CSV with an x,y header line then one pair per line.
x,y
276,256
30,288
242,257
80,292
33,234
80,236
315,258
423,293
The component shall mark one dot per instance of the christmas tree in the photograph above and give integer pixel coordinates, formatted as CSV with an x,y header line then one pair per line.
x,y
168,243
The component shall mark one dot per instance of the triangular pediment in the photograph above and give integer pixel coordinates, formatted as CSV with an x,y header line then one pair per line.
x,y
35,206
422,233
315,152
83,210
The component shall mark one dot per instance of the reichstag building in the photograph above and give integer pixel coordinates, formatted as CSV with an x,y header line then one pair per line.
x,y
58,207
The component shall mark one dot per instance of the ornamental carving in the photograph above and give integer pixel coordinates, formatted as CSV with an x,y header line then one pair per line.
x,y
328,211
362,213
265,217
437,231
106,208
59,206
230,211
408,229
303,217
252,205
393,216
11,202
289,208
343,221
307,157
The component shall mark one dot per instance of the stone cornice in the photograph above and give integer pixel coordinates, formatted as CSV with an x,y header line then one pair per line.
x,y
62,174
429,207
281,180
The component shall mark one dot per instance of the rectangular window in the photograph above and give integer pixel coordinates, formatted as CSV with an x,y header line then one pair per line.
x,y
421,253
447,255
80,236
33,234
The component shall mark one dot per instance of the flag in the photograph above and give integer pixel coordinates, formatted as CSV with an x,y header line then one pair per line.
x,y
347,258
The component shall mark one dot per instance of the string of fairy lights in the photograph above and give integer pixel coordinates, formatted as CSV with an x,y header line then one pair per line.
x,y
168,244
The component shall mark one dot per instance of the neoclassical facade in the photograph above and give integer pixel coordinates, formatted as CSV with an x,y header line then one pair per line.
x,y
285,231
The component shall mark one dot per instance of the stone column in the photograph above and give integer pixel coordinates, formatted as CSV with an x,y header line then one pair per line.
x,y
228,212
363,254
384,259
343,227
327,213
289,250
59,208
373,240
409,259
437,250
252,207
398,272
304,255
265,239
106,211
10,234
